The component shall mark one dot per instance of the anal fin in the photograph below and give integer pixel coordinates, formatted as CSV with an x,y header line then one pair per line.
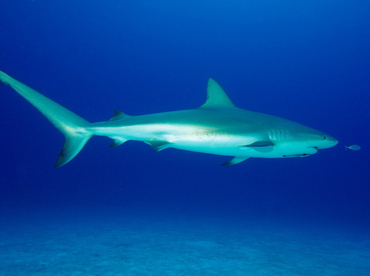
x,y
117,142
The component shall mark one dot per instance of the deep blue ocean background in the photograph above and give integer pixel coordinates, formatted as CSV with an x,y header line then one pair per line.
x,y
307,61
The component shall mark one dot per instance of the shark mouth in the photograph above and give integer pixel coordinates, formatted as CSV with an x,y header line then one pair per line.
x,y
311,150
298,155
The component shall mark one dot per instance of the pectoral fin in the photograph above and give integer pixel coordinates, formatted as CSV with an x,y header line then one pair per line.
x,y
260,146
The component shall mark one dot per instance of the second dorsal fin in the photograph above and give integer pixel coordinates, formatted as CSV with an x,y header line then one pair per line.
x,y
117,115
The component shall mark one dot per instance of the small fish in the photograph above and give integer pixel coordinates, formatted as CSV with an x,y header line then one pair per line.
x,y
353,147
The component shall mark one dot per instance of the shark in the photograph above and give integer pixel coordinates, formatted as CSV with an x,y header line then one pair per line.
x,y
217,127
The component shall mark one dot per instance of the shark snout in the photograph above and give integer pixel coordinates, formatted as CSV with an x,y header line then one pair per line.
x,y
327,142
331,140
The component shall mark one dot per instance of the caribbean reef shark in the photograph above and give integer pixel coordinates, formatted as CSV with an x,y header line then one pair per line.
x,y
217,127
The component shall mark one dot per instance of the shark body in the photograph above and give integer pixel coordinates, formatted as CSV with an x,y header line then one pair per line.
x,y
217,127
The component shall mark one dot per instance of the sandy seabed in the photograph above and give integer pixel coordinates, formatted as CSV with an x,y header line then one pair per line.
x,y
121,244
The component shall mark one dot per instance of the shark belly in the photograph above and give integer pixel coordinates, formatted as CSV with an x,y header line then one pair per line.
x,y
183,134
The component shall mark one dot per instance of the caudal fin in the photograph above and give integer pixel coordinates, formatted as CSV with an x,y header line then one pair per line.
x,y
74,128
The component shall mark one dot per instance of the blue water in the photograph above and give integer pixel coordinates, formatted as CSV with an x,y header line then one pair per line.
x,y
306,61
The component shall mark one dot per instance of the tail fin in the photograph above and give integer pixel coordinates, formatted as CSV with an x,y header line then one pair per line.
x,y
74,128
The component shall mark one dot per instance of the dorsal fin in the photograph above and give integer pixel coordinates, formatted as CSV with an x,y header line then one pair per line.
x,y
216,96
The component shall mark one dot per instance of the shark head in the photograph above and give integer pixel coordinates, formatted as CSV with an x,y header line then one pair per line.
x,y
321,141
302,144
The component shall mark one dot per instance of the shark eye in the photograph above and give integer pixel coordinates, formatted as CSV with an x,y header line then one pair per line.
x,y
324,137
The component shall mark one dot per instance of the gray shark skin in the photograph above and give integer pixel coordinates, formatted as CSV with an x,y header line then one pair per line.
x,y
217,127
